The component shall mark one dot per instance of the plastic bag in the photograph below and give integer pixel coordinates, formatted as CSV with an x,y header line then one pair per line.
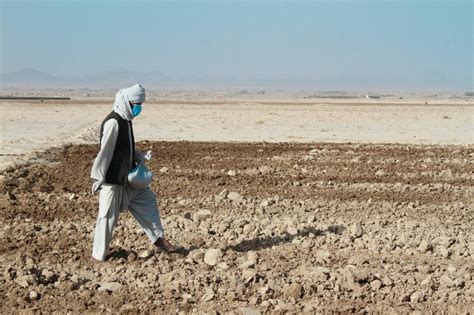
x,y
140,177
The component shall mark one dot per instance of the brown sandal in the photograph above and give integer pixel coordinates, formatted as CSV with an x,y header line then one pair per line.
x,y
163,245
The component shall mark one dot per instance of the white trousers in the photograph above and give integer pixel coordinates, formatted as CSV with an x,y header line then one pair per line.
x,y
114,198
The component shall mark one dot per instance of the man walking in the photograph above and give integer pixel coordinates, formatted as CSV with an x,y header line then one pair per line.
x,y
117,156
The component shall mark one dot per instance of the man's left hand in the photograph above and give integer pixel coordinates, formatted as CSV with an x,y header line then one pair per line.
x,y
148,155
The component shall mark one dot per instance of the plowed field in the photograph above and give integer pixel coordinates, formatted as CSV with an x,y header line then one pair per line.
x,y
267,227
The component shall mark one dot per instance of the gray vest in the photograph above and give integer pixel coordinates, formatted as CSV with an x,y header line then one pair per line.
x,y
121,163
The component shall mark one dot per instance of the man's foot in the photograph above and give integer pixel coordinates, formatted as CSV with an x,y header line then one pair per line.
x,y
164,245
95,260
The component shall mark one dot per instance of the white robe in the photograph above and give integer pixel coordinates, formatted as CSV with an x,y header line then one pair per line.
x,y
141,204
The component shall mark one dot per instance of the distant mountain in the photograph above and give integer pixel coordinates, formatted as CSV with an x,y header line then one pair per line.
x,y
123,77
28,76
111,79
32,78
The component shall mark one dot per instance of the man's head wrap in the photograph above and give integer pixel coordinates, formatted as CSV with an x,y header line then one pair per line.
x,y
134,94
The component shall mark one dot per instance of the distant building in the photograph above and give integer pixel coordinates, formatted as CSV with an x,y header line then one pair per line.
x,y
372,96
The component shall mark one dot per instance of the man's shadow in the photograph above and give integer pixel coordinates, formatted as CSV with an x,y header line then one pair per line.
x,y
269,241
119,253
255,244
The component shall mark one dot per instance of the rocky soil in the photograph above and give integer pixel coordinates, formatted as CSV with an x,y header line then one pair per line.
x,y
270,228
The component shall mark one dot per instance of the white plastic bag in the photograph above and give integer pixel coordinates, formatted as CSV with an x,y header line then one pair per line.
x,y
140,177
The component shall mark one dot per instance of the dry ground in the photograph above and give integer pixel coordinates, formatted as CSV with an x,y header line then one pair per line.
x,y
36,125
269,227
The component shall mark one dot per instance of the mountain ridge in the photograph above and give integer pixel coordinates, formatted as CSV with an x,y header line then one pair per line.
x,y
33,78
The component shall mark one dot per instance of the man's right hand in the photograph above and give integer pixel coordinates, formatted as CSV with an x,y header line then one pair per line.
x,y
96,186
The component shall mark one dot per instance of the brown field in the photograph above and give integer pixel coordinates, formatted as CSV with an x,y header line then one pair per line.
x,y
275,228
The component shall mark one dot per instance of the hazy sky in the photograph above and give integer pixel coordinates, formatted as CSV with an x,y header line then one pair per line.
x,y
413,42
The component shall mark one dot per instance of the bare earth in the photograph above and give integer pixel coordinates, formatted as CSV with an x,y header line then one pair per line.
x,y
383,223
36,125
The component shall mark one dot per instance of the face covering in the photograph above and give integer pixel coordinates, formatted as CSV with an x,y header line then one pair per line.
x,y
137,108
